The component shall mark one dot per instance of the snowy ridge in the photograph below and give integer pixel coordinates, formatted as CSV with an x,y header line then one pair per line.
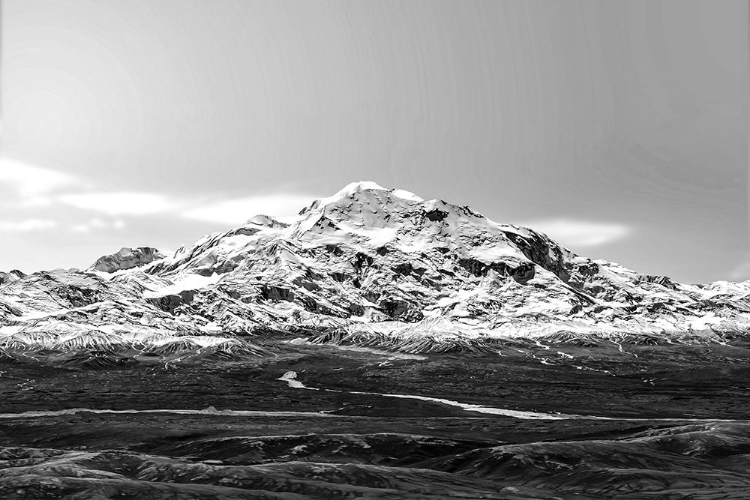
x,y
369,265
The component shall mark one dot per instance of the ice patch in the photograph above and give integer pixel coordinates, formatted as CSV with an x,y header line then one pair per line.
x,y
704,322
378,236
291,379
185,282
493,251
41,314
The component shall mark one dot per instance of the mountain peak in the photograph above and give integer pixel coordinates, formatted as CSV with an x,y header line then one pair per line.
x,y
365,192
371,257
355,187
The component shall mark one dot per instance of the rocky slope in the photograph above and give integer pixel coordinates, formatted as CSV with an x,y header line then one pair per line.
x,y
127,258
367,265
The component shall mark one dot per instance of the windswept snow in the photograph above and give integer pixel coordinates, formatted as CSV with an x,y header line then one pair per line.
x,y
184,282
291,379
493,251
407,195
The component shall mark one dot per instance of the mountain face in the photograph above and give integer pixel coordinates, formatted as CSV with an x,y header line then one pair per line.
x,y
367,265
127,258
226,369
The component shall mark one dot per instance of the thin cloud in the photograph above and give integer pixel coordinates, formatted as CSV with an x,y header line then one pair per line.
x,y
239,210
122,203
230,211
97,224
578,233
31,182
27,225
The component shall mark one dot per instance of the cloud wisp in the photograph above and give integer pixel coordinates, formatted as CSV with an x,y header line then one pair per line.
x,y
31,181
225,211
27,225
580,233
97,223
38,198
238,210
121,203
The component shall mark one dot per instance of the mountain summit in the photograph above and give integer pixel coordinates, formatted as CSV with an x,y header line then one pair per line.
x,y
368,264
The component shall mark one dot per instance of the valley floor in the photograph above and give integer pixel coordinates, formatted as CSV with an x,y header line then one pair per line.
x,y
320,421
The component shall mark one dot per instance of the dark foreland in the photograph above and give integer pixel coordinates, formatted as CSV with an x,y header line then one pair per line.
x,y
380,346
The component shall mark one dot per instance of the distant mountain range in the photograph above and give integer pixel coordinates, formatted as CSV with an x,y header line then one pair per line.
x,y
366,265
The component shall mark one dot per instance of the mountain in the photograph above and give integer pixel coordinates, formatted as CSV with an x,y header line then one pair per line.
x,y
367,265
127,258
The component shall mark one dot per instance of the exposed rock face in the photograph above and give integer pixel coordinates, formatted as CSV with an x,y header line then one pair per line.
x,y
378,265
127,258
14,275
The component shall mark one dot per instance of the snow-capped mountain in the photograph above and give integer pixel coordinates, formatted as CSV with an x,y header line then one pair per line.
x,y
367,264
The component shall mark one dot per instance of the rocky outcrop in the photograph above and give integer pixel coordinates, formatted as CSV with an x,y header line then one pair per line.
x,y
13,275
127,258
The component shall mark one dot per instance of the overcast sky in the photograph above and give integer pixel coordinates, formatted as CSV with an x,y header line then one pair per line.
x,y
618,127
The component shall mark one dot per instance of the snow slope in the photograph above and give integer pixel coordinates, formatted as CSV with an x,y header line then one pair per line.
x,y
371,265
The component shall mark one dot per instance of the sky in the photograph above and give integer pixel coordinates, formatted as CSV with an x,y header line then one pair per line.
x,y
618,127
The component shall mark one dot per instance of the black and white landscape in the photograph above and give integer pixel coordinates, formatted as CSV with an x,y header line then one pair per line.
x,y
380,346
543,292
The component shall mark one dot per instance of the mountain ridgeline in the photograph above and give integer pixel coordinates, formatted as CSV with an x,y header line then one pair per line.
x,y
367,265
